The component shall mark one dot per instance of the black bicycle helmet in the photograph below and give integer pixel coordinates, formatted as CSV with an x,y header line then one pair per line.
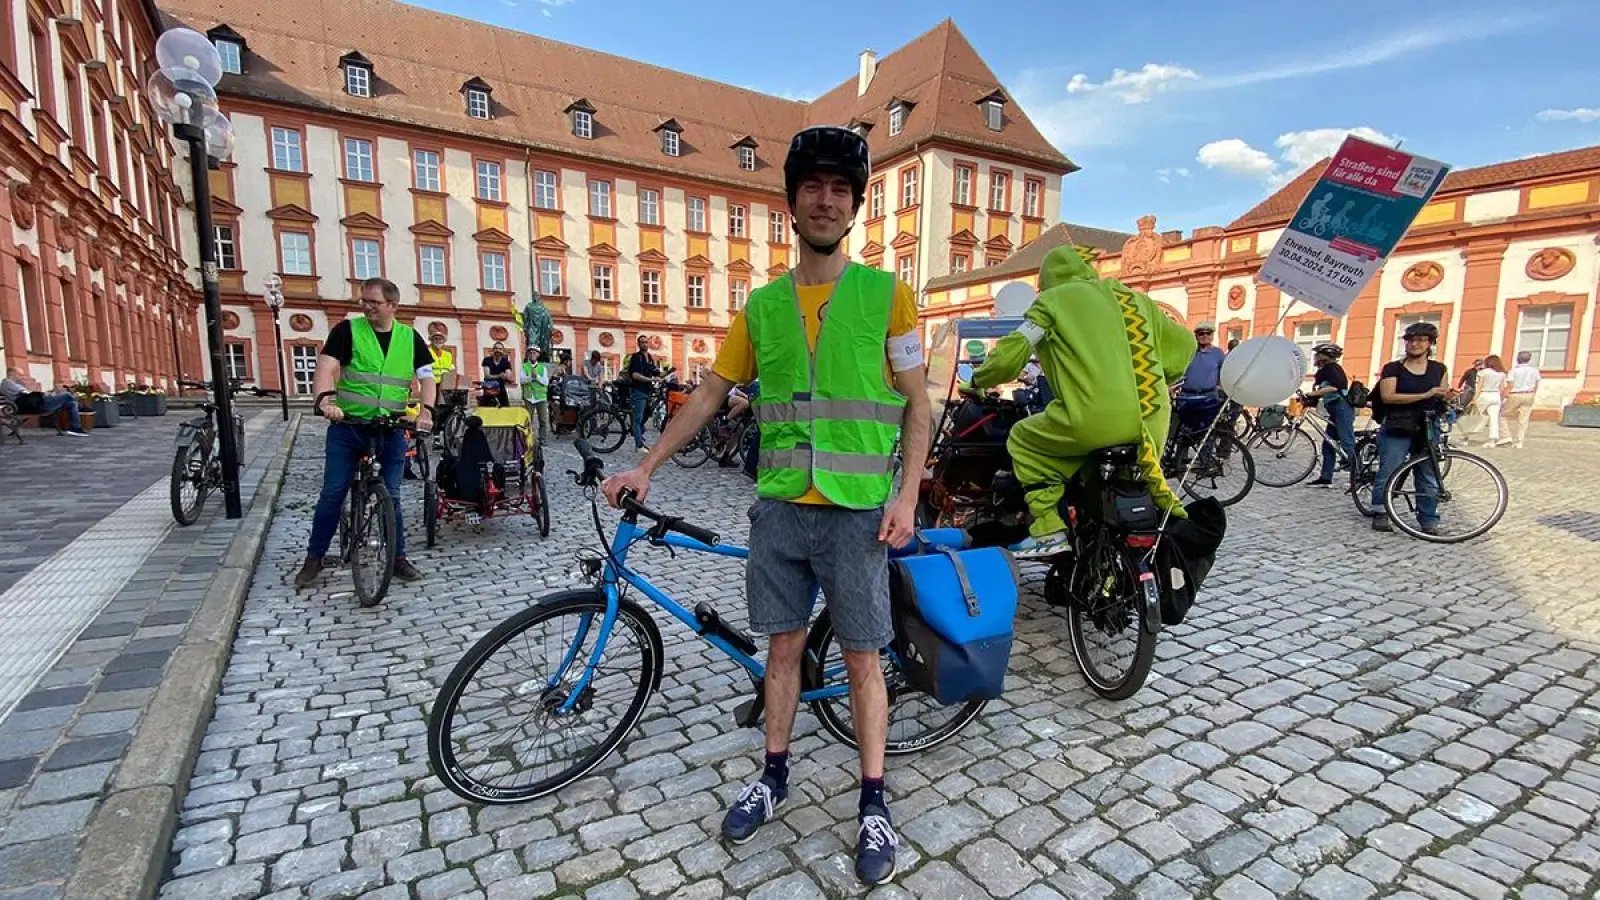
x,y
1332,351
1423,329
828,148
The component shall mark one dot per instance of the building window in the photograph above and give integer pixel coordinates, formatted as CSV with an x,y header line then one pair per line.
x,y
964,175
232,57
738,293
875,200
994,260
1401,323
736,221
649,207
286,152
238,360
897,119
1235,333
358,81
1310,334
671,142
295,247
358,159
1545,331
906,268
747,158
227,250
960,262
999,192
488,180
477,103
494,271
696,214
697,292
303,359
908,188
650,287
600,199
365,259
992,114
550,278
1032,198
600,278
426,164
583,124
544,190
779,233
430,259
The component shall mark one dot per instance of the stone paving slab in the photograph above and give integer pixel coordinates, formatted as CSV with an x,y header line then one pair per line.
x,y
1344,715
62,750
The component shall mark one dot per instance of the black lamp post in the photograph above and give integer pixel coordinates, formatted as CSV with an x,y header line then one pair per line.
x,y
274,296
183,93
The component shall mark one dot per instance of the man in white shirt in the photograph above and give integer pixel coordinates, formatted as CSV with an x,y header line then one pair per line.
x,y
1524,383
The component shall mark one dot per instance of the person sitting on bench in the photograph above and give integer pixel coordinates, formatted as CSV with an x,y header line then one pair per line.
x,y
29,398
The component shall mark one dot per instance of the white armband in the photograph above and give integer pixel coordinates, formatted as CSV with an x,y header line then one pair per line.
x,y
1034,333
904,352
425,373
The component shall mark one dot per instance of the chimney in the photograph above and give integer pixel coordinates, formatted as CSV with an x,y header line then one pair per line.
x,y
869,68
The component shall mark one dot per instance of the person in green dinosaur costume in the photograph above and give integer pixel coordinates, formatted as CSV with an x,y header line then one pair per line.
x,y
1110,354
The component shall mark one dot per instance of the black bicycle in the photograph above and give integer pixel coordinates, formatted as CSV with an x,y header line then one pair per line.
x,y
609,422
1213,465
197,461
368,537
1441,494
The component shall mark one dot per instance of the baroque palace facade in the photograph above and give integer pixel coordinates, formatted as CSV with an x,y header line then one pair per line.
x,y
473,165
92,282
1505,258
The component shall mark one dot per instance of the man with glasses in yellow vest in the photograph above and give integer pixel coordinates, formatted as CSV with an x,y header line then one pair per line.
x,y
836,347
368,364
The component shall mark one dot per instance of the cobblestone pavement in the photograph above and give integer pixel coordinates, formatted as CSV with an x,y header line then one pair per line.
x,y
1344,715
61,748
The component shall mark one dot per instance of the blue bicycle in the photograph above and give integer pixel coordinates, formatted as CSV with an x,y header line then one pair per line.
x,y
548,694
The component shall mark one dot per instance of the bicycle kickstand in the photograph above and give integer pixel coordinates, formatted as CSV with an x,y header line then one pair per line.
x,y
748,714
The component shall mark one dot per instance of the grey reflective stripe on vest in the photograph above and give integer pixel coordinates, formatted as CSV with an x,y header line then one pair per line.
x,y
371,378
366,400
839,410
804,458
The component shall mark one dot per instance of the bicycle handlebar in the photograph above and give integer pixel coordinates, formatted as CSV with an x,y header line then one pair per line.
x,y
233,388
379,421
594,468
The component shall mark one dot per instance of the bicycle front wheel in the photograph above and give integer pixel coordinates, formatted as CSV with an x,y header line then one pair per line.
x,y
188,485
1283,457
1363,475
1106,623
696,452
372,544
1224,470
916,721
511,723
604,429
1469,499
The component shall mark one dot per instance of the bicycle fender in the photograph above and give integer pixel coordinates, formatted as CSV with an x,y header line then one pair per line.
x,y
191,430
594,593
1151,591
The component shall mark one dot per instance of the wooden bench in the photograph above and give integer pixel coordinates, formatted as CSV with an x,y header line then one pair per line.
x,y
12,422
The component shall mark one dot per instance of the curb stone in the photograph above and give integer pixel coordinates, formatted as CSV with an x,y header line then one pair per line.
x,y
125,845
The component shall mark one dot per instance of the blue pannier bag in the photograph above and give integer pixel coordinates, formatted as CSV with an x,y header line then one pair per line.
x,y
932,539
954,615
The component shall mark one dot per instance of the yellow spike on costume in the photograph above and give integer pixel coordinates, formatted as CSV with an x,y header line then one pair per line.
x,y
1147,379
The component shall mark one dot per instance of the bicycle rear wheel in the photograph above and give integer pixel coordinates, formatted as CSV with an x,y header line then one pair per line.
x,y
430,510
538,501
498,710
917,722
1106,605
1471,497
1363,474
696,452
603,428
1283,456
372,544
1224,471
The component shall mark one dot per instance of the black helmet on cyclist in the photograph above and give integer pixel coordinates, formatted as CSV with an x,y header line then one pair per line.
x,y
1422,329
1331,351
828,148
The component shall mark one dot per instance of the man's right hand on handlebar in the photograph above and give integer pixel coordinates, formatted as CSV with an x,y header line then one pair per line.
x,y
636,480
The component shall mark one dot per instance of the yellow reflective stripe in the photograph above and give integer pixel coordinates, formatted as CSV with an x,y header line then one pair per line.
x,y
838,410
805,458
369,400
372,378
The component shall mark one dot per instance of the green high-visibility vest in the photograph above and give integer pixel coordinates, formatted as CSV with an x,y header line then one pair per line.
x,y
535,392
376,382
828,417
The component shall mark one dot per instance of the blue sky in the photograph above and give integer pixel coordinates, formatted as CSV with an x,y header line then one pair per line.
x,y
1191,111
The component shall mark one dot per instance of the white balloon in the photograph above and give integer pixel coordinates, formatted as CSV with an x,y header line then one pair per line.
x,y
1263,371
1014,299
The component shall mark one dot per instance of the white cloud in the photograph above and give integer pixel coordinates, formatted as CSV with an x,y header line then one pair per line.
x,y
1137,86
1236,157
1581,114
1297,151
1303,148
1166,175
554,2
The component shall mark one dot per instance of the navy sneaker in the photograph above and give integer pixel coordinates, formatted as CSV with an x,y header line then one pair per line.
x,y
752,810
875,843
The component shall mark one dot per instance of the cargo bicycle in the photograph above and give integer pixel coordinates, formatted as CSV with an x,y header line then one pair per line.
x,y
509,730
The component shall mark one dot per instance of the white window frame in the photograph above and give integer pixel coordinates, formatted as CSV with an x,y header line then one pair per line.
x,y
288,150
357,80
695,286
358,161
546,190
875,200
477,103
1310,334
489,184
960,262
492,266
550,278
428,174
671,142
650,287
600,199
303,368
906,269
908,187
999,192
227,247
232,56
238,363
1032,198
778,227
738,293
1544,330
433,265
747,158
736,220
364,266
694,214
897,119
993,114
583,124
296,258
649,206
963,191
602,281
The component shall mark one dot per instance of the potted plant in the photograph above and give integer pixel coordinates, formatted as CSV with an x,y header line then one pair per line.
x,y
147,400
92,399
1582,413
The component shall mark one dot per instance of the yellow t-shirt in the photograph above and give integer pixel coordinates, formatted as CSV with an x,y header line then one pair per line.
x,y
736,359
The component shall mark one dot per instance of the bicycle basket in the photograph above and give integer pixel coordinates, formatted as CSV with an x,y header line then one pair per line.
x,y
1272,417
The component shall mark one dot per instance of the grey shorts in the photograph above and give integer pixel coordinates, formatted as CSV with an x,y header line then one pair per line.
x,y
795,547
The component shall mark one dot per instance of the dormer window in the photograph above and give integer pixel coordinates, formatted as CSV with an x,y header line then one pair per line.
x,y
582,119
861,127
671,137
357,74
993,107
230,46
744,151
479,105
898,110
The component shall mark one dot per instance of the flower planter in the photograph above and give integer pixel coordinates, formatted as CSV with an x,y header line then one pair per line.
x,y
125,407
106,412
1580,416
150,404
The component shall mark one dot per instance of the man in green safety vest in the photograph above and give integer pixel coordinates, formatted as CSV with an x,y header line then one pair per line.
x,y
536,388
367,365
829,416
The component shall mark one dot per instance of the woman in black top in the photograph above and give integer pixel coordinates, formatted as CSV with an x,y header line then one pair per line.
x,y
1328,389
1408,391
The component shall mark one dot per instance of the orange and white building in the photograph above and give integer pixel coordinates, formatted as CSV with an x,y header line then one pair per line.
x,y
473,165
1505,258
92,283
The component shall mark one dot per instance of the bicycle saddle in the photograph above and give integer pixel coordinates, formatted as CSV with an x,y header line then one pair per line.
x,y
1119,453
